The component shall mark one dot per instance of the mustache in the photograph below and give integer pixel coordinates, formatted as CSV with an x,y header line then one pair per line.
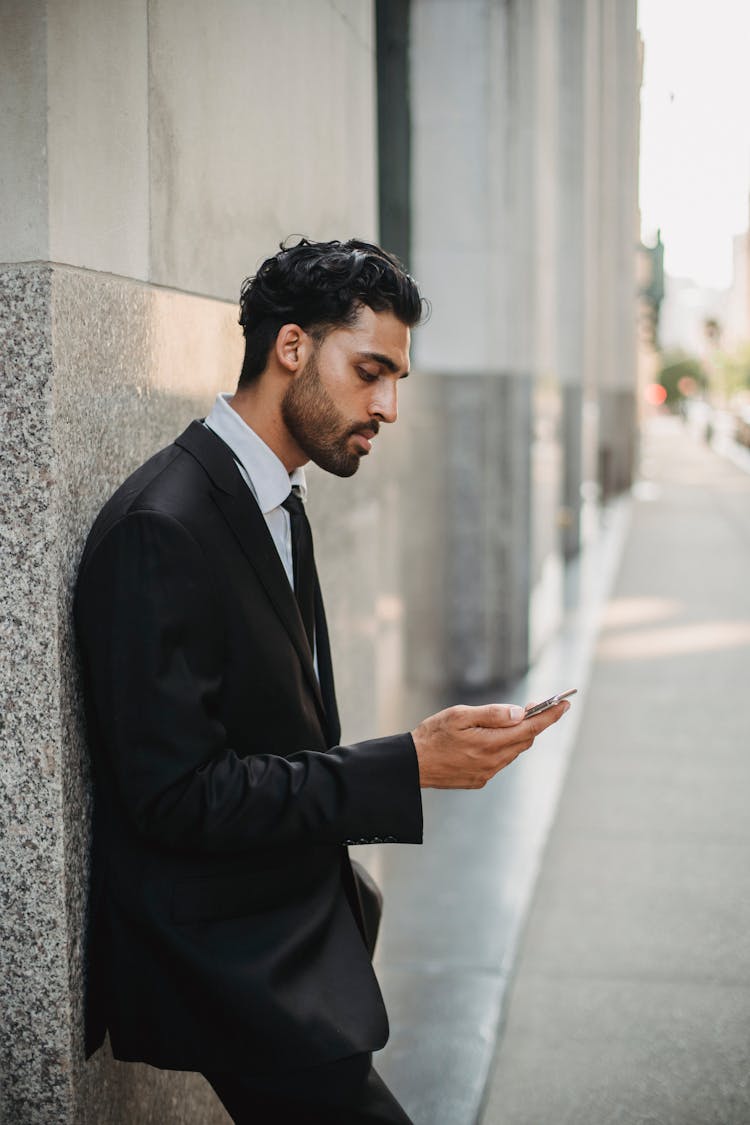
x,y
369,429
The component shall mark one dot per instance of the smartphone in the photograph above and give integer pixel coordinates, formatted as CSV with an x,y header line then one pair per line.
x,y
553,699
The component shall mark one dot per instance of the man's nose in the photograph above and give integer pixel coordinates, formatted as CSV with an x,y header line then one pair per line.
x,y
384,403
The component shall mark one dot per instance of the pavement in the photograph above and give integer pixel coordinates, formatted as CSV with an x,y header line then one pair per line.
x,y
572,943
631,997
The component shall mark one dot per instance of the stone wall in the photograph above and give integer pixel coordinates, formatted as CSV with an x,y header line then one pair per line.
x,y
178,142
96,374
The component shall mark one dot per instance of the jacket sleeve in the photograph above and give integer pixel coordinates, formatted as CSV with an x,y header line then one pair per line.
x,y
152,645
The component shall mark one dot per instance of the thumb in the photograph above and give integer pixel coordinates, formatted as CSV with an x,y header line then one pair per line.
x,y
498,715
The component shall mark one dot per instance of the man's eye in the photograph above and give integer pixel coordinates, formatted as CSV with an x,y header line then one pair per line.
x,y
367,376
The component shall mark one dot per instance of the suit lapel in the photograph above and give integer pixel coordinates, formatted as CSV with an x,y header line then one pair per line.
x,y
245,519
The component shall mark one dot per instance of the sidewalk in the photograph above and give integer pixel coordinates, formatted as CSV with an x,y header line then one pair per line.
x,y
631,997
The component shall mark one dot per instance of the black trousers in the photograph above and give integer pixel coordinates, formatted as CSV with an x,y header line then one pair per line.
x,y
346,1092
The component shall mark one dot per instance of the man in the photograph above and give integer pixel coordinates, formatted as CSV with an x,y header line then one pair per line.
x,y
230,933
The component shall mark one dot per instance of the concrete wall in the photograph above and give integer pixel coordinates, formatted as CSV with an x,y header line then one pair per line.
x,y
184,140
524,187
24,224
615,48
484,245
262,125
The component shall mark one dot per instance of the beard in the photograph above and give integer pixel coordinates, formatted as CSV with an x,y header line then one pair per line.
x,y
318,426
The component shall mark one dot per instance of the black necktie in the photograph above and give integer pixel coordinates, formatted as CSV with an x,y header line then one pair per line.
x,y
304,564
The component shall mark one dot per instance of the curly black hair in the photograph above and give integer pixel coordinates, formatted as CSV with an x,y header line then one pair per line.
x,y
320,286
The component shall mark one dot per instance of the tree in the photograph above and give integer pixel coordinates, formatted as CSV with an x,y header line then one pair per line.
x,y
682,376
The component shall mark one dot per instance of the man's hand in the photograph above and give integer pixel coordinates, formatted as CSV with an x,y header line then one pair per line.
x,y
463,747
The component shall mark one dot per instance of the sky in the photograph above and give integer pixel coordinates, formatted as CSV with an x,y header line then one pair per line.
x,y
695,132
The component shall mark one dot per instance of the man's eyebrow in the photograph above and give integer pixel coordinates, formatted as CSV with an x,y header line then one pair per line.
x,y
384,361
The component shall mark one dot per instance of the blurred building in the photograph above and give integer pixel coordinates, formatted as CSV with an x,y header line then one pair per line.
x,y
650,279
738,301
650,283
153,152
686,308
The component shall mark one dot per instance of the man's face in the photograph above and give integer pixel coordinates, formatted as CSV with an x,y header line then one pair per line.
x,y
334,406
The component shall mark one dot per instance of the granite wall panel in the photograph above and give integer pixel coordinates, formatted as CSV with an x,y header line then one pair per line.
x,y
95,374
34,1034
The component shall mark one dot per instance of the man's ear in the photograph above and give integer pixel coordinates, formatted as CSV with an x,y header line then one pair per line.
x,y
292,348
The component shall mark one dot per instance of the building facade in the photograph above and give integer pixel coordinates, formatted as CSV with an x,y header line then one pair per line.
x,y
153,152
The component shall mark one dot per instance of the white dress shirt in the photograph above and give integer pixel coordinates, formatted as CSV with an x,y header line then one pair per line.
x,y
262,472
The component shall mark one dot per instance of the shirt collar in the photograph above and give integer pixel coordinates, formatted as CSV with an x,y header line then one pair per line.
x,y
270,481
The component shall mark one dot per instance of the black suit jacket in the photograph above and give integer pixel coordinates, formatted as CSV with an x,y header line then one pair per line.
x,y
226,925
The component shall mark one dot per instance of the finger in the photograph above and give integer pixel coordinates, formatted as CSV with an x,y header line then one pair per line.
x,y
545,719
494,715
